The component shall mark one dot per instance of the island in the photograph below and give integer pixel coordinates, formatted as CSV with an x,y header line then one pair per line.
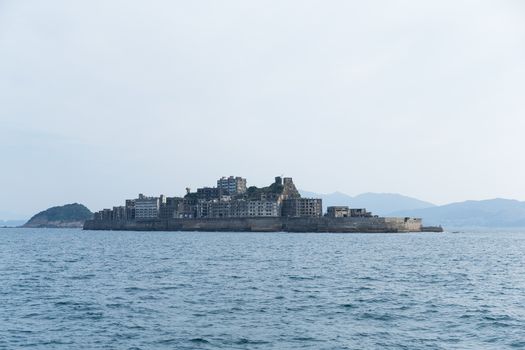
x,y
67,216
232,206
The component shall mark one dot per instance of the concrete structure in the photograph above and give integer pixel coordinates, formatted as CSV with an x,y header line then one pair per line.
x,y
106,214
210,193
169,207
119,213
345,212
238,208
232,207
338,212
147,207
262,208
187,208
219,209
302,207
266,224
359,212
130,209
232,185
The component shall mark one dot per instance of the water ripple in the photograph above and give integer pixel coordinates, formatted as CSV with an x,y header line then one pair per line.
x,y
68,289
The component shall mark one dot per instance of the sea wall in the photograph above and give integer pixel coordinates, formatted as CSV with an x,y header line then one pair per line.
x,y
264,224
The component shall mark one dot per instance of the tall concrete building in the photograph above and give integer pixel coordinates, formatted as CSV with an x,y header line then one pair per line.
x,y
232,185
169,208
130,209
147,207
119,213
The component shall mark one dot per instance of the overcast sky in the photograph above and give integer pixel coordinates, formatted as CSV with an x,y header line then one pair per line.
x,y
101,100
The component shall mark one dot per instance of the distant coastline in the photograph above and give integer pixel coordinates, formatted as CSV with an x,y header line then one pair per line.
x,y
483,215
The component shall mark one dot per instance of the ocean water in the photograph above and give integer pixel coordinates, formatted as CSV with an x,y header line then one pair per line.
x,y
73,289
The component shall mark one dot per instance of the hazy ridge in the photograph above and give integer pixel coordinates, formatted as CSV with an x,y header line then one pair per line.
x,y
379,203
490,213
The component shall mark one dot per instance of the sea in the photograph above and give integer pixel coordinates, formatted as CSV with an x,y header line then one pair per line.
x,y
74,289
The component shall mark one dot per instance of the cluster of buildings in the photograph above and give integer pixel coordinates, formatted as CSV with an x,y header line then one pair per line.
x,y
231,198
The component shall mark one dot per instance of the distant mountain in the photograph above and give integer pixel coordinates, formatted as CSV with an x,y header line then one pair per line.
x,y
377,203
66,216
493,213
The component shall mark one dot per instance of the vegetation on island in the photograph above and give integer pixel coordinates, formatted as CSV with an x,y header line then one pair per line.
x,y
254,193
69,215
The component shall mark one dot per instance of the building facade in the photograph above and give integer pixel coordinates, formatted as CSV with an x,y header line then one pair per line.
x,y
360,213
338,212
232,185
119,213
238,208
210,193
263,208
302,207
147,207
187,209
169,207
345,212
130,209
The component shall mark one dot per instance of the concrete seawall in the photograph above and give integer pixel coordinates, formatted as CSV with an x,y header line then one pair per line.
x,y
264,224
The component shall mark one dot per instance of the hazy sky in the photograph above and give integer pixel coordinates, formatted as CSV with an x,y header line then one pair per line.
x,y
101,100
